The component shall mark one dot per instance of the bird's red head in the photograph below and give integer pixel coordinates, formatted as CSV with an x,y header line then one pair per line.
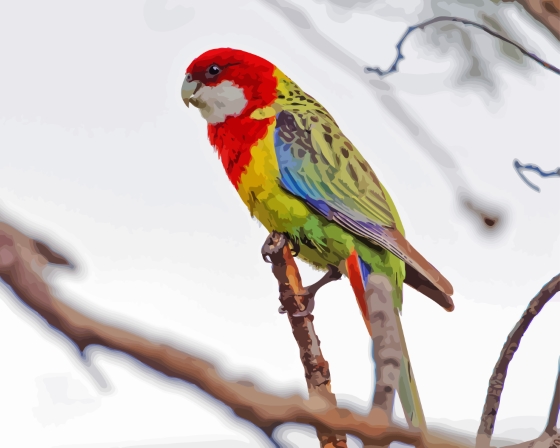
x,y
225,82
227,85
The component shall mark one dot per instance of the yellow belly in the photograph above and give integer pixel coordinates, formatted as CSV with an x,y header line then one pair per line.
x,y
261,192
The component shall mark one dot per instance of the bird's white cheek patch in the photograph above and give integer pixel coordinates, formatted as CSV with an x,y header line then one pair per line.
x,y
221,101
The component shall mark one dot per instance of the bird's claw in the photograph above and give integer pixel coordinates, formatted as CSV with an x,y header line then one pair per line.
x,y
291,303
273,246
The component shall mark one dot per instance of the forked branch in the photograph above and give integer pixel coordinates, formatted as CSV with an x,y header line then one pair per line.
x,y
22,267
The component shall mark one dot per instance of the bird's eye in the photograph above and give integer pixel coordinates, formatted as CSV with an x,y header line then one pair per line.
x,y
189,77
213,70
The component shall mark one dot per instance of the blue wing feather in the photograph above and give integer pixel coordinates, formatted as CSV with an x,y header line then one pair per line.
x,y
321,199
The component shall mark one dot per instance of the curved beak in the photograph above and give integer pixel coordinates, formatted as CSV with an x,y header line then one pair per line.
x,y
188,89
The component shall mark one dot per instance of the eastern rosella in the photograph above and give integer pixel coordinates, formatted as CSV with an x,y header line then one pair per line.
x,y
299,175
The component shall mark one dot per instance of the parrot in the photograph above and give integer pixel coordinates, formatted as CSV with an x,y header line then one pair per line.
x,y
298,174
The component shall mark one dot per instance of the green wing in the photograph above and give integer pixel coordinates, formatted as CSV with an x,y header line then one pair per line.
x,y
321,166
334,167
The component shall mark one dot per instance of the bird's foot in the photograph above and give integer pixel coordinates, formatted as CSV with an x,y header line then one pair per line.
x,y
295,299
275,243
273,247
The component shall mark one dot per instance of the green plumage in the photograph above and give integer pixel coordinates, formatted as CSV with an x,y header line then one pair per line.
x,y
329,168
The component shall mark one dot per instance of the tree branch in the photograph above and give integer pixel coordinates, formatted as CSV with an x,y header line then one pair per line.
x,y
394,66
497,380
298,300
386,342
22,266
387,354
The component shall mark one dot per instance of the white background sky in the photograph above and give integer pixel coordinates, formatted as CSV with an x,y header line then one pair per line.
x,y
100,156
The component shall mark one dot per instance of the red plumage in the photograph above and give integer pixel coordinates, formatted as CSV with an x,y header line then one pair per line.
x,y
234,137
354,273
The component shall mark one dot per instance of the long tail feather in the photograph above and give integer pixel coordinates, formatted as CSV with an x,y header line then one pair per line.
x,y
408,390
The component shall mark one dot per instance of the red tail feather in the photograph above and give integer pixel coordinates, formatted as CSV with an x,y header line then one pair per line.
x,y
355,277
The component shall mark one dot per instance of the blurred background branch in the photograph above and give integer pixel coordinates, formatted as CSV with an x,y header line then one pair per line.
x,y
22,268
520,167
498,378
421,26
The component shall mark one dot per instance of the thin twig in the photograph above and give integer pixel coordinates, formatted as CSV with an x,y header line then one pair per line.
x,y
422,25
497,380
519,167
